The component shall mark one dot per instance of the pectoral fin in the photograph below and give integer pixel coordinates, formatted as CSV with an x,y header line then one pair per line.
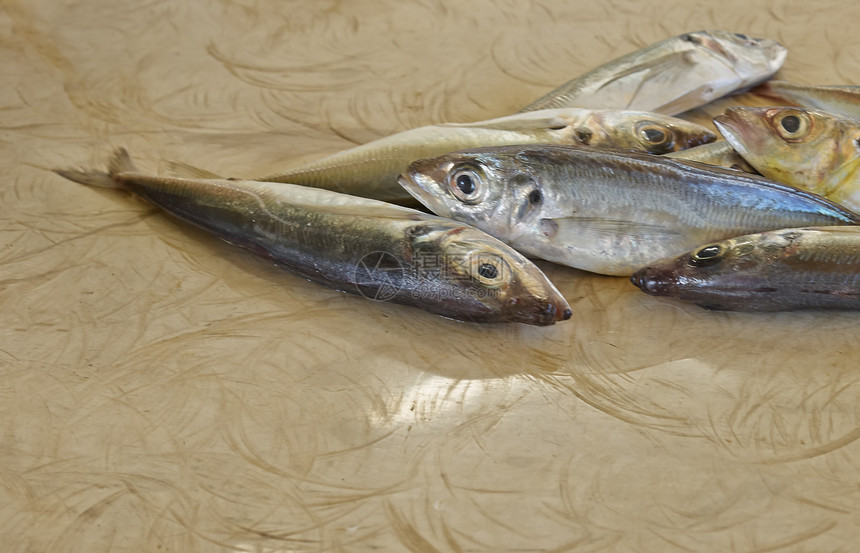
x,y
671,68
666,67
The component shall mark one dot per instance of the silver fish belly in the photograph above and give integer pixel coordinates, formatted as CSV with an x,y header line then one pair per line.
x,y
673,75
804,268
607,211
361,246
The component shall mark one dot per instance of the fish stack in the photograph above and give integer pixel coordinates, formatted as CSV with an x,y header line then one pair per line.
x,y
578,178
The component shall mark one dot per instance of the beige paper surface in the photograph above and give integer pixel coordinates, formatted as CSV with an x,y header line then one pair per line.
x,y
161,390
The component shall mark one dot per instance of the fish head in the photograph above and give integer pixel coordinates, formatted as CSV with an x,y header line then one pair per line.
x,y
483,279
705,65
489,188
649,132
800,147
751,59
719,275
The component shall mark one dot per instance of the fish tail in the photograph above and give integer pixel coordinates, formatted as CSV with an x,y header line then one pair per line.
x,y
121,162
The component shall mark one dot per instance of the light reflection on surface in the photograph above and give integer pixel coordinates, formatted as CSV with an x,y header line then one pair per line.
x,y
438,399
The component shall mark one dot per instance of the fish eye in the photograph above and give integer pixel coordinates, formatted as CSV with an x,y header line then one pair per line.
x,y
690,38
467,184
535,197
747,40
654,135
658,139
489,270
791,125
706,255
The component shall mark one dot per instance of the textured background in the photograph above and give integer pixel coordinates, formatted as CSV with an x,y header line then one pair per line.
x,y
163,391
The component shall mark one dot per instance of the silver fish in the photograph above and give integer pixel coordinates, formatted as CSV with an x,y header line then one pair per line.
x,y
371,170
718,153
805,268
361,246
844,99
607,211
673,75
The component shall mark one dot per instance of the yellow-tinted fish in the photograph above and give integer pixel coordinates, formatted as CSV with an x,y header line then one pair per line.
x,y
806,148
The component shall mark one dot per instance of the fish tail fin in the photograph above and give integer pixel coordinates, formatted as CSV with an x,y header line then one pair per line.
x,y
121,162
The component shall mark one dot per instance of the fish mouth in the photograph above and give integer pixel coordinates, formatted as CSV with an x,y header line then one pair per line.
x,y
655,282
558,310
776,53
737,127
520,309
421,188
555,310
696,139
541,308
422,181
414,189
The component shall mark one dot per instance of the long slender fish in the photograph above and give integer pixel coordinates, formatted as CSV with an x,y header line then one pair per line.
x,y
807,268
718,153
673,75
606,211
807,148
361,246
844,99
371,170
